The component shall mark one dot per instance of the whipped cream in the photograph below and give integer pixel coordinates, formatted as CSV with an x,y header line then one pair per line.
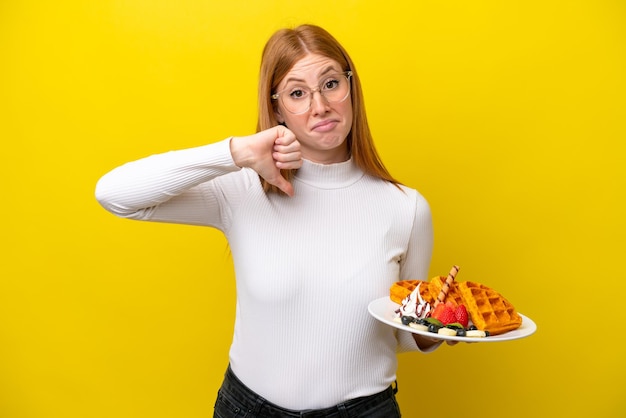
x,y
414,305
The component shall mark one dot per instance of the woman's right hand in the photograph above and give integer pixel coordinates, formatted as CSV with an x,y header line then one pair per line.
x,y
267,152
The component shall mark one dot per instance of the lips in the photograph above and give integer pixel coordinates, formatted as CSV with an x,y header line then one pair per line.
x,y
325,125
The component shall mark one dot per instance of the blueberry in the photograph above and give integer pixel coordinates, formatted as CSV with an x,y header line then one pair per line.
x,y
460,332
406,320
486,333
472,328
433,328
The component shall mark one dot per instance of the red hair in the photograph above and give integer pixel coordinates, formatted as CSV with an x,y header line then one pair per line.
x,y
286,47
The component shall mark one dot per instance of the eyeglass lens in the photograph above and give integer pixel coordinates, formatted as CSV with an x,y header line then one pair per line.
x,y
297,98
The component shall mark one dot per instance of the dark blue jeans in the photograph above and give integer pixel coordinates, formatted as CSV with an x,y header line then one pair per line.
x,y
234,399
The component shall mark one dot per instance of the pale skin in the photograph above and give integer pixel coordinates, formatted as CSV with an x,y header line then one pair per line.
x,y
318,135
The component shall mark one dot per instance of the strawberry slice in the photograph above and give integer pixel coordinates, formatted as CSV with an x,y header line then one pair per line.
x,y
461,315
437,311
444,313
447,317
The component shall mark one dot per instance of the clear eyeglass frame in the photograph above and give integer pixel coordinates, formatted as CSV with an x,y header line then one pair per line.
x,y
324,92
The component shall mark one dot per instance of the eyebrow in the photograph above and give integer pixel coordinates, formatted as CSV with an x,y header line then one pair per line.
x,y
326,71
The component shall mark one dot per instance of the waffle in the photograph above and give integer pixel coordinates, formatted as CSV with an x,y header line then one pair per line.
x,y
434,287
400,290
489,310
428,290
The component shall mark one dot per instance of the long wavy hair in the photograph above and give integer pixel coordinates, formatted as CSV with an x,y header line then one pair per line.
x,y
286,47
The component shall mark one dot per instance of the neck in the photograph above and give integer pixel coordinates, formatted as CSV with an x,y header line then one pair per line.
x,y
338,155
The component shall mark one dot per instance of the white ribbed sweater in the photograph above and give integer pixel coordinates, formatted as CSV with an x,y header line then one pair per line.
x,y
306,267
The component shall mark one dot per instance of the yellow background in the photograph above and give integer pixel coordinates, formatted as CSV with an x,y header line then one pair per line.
x,y
507,115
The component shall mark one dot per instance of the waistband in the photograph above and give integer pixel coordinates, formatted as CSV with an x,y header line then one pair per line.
x,y
262,407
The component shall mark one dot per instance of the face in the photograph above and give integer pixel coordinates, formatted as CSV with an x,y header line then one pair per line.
x,y
322,130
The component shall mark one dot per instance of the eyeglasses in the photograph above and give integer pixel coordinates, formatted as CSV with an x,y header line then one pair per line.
x,y
297,98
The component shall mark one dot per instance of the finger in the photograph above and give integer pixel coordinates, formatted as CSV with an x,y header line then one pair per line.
x,y
284,136
284,185
293,158
292,147
289,165
277,179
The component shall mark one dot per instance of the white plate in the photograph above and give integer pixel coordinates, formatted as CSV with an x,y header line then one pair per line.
x,y
384,309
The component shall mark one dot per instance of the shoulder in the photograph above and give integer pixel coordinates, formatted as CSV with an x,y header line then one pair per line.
x,y
403,193
414,195
413,201
398,196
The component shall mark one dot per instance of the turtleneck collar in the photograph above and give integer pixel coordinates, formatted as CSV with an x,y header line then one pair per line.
x,y
329,176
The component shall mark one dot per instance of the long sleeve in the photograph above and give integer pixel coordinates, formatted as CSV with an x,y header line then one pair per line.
x,y
414,266
307,266
170,187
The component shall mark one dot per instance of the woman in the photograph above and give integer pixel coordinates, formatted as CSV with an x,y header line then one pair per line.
x,y
317,229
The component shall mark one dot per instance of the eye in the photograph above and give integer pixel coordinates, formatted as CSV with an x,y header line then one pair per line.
x,y
331,84
297,94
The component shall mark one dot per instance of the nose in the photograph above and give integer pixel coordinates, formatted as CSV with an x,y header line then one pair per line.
x,y
319,104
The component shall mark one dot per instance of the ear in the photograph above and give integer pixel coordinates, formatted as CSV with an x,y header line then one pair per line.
x,y
279,116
